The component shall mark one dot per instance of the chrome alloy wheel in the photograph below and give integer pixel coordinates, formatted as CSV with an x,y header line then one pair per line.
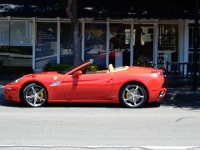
x,y
133,95
34,95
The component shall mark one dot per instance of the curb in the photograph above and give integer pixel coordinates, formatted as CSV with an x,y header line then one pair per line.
x,y
182,95
183,91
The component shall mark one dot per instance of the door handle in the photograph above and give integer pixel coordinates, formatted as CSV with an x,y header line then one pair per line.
x,y
110,80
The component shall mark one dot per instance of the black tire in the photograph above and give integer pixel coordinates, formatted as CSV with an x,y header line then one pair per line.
x,y
133,95
34,95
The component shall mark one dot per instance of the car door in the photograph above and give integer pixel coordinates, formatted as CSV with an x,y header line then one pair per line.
x,y
88,87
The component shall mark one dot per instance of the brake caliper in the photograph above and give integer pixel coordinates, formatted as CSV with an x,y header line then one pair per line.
x,y
42,95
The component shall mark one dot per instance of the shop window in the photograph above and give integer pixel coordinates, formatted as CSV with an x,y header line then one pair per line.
x,y
191,43
4,33
15,47
119,54
127,36
167,44
46,44
66,44
20,33
143,44
95,43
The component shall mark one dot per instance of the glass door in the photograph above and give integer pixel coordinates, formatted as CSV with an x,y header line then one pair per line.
x,y
143,44
95,43
119,53
191,43
46,44
167,44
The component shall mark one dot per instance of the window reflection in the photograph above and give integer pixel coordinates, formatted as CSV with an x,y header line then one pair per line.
x,y
20,33
191,43
66,44
143,44
15,46
119,54
95,43
4,33
46,45
167,44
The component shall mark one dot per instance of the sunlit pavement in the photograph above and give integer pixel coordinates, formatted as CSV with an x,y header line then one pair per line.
x,y
32,147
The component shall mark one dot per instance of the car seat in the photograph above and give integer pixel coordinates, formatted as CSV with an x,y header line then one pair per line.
x,y
111,68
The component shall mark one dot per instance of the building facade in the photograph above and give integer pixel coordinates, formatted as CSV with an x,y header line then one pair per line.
x,y
37,41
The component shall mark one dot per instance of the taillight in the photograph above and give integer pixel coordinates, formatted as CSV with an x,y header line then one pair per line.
x,y
161,72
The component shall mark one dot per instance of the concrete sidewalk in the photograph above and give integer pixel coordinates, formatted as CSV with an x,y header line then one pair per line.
x,y
183,98
183,90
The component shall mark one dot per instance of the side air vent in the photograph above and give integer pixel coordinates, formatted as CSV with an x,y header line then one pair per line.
x,y
55,83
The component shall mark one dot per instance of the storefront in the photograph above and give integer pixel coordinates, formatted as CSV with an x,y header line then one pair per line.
x,y
34,41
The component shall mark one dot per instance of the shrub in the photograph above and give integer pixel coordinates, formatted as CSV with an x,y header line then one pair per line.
x,y
144,62
56,67
93,68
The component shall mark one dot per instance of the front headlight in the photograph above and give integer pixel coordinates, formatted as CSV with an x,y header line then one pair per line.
x,y
16,81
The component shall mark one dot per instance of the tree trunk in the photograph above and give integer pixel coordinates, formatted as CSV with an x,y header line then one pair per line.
x,y
76,44
71,10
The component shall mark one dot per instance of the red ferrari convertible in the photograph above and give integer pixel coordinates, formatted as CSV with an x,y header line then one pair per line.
x,y
128,85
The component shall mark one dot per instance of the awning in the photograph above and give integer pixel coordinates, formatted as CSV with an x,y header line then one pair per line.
x,y
101,9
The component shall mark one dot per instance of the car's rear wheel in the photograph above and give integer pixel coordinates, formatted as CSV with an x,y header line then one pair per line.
x,y
133,95
34,95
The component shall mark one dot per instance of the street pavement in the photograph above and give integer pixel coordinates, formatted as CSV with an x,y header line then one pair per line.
x,y
170,124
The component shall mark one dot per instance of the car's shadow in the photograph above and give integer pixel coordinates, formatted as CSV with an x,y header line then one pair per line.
x,y
6,103
185,101
189,101
192,103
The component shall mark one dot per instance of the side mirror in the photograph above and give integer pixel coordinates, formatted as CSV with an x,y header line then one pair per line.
x,y
77,74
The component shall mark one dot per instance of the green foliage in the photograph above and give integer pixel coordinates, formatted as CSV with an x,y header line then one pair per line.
x,y
56,67
93,68
144,61
61,67
140,61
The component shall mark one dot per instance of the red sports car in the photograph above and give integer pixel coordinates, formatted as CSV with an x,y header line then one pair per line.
x,y
128,85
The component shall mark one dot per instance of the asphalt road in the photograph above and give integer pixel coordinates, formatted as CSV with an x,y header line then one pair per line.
x,y
99,126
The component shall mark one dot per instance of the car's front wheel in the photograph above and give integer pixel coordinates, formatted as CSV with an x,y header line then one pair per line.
x,y
133,95
34,95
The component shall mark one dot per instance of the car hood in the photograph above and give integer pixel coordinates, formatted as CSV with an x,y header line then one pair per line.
x,y
42,74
